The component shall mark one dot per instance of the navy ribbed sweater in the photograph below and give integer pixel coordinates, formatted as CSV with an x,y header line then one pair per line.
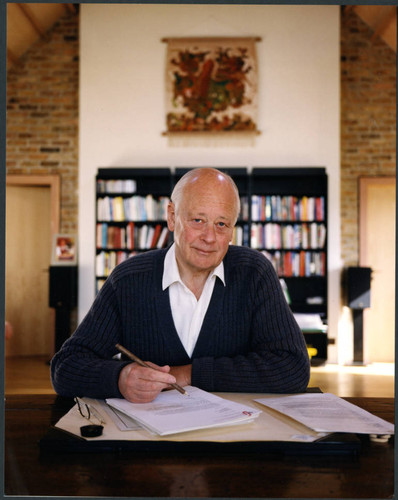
x,y
249,341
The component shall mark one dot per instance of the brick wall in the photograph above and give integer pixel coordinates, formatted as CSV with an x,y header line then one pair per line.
x,y
368,120
42,114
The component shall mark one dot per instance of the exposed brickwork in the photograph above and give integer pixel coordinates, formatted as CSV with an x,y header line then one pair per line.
x,y
368,120
42,114
42,117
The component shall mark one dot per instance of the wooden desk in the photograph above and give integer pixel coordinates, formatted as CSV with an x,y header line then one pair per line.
x,y
30,471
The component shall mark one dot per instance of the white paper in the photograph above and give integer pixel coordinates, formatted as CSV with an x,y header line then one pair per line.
x,y
269,426
328,413
172,412
122,421
309,321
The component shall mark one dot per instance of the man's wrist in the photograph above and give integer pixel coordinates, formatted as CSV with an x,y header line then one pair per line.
x,y
182,374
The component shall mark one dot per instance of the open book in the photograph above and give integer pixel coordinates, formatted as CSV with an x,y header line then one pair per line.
x,y
172,412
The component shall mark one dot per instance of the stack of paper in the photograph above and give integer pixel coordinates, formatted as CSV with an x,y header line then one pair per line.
x,y
328,413
172,412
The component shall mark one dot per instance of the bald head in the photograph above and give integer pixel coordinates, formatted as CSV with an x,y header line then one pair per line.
x,y
202,180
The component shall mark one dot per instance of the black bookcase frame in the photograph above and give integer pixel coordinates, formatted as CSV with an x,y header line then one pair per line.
x,y
263,181
299,182
155,181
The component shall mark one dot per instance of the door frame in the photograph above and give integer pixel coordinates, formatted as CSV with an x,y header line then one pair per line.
x,y
364,182
51,181
54,183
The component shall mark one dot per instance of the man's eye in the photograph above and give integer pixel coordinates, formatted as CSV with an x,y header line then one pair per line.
x,y
198,221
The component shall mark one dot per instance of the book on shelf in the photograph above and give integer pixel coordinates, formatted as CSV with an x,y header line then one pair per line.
x,y
237,235
131,236
155,236
106,261
273,235
244,208
109,236
163,238
116,186
241,235
117,209
130,233
300,264
134,208
287,208
143,235
149,237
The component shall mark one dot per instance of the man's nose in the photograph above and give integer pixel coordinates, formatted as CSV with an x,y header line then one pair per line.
x,y
209,232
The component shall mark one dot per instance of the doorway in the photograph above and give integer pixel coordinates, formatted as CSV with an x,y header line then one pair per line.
x,y
377,251
32,217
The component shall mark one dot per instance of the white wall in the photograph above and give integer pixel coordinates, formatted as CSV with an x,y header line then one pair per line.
x,y
122,113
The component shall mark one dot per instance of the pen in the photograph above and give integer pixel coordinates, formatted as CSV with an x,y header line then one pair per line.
x,y
135,358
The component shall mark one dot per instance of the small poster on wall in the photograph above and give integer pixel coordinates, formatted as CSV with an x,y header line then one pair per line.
x,y
64,252
211,85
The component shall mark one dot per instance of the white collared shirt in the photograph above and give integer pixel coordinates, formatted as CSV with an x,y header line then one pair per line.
x,y
188,312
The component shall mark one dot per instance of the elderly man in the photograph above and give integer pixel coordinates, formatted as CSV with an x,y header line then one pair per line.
x,y
202,312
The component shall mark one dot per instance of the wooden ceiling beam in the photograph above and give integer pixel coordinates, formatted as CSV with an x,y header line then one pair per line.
x,y
389,16
26,12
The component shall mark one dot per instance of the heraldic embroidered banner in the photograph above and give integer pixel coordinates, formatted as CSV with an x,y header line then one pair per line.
x,y
211,85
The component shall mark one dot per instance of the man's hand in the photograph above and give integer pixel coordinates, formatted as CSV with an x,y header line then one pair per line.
x,y
139,384
182,374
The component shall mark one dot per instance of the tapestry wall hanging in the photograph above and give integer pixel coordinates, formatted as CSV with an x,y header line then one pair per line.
x,y
211,85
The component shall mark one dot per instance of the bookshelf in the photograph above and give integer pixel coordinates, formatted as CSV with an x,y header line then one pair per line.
x,y
283,215
131,214
288,216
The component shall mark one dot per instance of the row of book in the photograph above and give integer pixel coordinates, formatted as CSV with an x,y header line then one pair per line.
x,y
298,264
241,235
286,263
287,208
244,208
294,236
270,236
116,186
105,262
131,236
132,208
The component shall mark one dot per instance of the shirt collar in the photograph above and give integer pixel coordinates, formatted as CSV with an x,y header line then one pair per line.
x,y
171,273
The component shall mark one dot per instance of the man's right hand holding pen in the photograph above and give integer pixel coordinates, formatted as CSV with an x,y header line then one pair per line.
x,y
141,382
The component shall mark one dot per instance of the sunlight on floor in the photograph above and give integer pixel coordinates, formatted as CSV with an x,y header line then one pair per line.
x,y
373,380
387,369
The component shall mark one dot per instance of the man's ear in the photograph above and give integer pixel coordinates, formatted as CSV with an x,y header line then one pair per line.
x,y
171,216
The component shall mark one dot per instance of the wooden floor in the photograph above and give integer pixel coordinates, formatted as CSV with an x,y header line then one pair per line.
x,y
31,375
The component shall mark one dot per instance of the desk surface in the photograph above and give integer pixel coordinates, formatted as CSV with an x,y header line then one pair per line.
x,y
29,471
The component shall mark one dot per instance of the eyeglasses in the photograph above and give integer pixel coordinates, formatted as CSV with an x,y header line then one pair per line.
x,y
88,411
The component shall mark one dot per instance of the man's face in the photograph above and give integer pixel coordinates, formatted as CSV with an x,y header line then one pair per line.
x,y
203,225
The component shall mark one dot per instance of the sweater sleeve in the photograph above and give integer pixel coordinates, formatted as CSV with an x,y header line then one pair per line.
x,y
84,365
277,360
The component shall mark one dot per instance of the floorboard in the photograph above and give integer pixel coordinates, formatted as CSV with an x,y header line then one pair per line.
x,y
31,375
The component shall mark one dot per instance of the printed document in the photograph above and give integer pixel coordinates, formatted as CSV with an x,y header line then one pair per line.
x,y
269,426
328,413
172,412
121,420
